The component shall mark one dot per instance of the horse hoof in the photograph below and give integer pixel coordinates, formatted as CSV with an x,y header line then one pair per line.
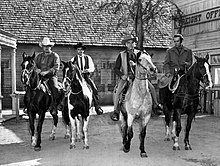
x,y
33,144
188,148
176,148
86,147
166,139
51,138
66,136
126,150
72,146
144,155
37,149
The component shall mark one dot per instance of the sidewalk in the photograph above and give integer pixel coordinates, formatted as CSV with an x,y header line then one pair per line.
x,y
7,114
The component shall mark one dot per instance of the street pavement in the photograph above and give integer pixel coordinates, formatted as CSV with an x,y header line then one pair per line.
x,y
105,144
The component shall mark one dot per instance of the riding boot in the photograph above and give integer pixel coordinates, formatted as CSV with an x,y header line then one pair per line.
x,y
115,115
98,109
95,95
159,106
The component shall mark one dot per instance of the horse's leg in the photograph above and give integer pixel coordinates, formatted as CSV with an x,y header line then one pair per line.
x,y
39,130
123,127
165,98
32,117
79,127
130,134
66,121
176,128
73,132
167,119
54,127
143,128
188,127
85,131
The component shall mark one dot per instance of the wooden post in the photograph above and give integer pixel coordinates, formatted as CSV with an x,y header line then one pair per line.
x,y
13,74
0,82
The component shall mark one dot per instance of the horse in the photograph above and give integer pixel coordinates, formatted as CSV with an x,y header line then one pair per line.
x,y
79,99
37,100
137,103
183,98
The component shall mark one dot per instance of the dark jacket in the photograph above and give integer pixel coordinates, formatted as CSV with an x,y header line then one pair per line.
x,y
123,68
175,59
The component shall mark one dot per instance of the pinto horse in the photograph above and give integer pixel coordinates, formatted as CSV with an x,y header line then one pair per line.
x,y
37,100
184,99
137,104
79,99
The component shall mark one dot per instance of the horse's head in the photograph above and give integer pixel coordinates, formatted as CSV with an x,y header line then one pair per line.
x,y
203,70
145,64
27,67
70,73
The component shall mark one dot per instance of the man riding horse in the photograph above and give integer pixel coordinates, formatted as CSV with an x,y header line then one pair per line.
x,y
123,68
177,57
86,66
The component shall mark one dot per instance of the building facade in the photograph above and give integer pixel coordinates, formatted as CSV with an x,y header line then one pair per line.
x,y
66,23
201,33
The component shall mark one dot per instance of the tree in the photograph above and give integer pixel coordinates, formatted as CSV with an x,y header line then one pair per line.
x,y
149,20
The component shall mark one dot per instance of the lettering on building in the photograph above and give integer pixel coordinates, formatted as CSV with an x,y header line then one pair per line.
x,y
202,17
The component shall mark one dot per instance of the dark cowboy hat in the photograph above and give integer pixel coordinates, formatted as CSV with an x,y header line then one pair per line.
x,y
127,38
164,81
80,45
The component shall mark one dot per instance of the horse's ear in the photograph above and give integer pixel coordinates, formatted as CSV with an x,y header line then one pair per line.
x,y
63,62
24,55
207,57
138,56
33,56
196,57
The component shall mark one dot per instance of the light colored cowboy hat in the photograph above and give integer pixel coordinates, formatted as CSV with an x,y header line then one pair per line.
x,y
164,81
127,38
46,42
80,45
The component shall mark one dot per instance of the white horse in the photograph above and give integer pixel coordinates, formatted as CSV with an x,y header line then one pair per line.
x,y
137,104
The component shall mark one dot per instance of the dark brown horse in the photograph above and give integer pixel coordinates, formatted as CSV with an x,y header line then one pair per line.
x,y
184,99
37,100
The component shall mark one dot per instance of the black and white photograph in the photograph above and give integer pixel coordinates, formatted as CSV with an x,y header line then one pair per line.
x,y
110,82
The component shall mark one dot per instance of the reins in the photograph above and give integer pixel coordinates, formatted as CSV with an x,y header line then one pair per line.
x,y
70,89
186,95
135,74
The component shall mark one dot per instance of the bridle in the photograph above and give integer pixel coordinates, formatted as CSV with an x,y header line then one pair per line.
x,y
70,81
27,73
139,78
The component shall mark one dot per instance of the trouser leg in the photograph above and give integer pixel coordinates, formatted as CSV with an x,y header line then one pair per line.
x,y
154,96
53,83
120,87
95,95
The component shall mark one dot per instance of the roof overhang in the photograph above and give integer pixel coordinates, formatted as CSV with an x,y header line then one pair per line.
x,y
8,39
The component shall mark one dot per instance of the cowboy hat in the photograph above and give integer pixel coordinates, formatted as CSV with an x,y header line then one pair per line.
x,y
127,38
80,45
46,42
164,81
